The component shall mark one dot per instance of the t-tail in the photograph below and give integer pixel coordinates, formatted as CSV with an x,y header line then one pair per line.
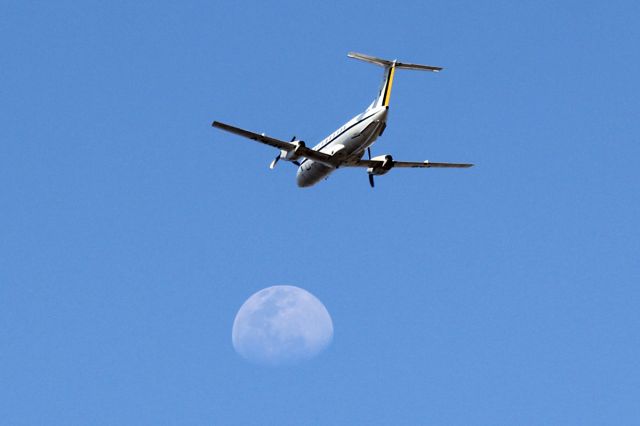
x,y
389,70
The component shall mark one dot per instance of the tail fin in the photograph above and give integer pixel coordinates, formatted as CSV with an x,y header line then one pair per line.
x,y
389,71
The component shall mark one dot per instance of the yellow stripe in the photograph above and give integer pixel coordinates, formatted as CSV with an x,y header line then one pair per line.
x,y
389,83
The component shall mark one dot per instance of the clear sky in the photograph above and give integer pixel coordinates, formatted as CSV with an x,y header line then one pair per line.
x,y
131,231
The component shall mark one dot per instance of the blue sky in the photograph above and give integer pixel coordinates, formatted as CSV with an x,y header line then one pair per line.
x,y
131,231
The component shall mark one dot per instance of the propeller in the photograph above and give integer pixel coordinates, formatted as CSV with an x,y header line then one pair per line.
x,y
275,160
371,182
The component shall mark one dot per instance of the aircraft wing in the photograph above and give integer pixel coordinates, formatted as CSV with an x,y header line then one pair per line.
x,y
301,150
406,164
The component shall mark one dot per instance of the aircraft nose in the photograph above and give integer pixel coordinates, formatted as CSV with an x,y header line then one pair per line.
x,y
303,179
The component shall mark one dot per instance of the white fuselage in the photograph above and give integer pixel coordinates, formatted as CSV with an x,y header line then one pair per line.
x,y
348,143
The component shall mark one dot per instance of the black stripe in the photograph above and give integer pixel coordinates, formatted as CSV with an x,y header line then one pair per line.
x,y
386,88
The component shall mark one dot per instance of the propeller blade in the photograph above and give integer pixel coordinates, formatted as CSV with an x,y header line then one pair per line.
x,y
293,138
274,162
370,175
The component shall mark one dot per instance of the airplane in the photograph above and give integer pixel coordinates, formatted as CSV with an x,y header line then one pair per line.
x,y
346,146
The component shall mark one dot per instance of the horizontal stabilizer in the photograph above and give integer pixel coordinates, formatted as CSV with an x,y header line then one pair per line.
x,y
388,63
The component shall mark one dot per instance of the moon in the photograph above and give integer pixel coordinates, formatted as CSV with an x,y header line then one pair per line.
x,y
282,324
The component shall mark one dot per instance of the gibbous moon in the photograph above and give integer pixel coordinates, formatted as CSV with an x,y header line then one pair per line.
x,y
282,324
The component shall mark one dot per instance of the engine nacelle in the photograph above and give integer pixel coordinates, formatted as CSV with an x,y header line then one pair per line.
x,y
294,154
384,167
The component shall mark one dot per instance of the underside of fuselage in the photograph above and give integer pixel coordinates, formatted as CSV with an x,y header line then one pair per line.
x,y
312,172
348,143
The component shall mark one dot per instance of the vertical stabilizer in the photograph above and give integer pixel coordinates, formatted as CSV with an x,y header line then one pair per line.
x,y
385,88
